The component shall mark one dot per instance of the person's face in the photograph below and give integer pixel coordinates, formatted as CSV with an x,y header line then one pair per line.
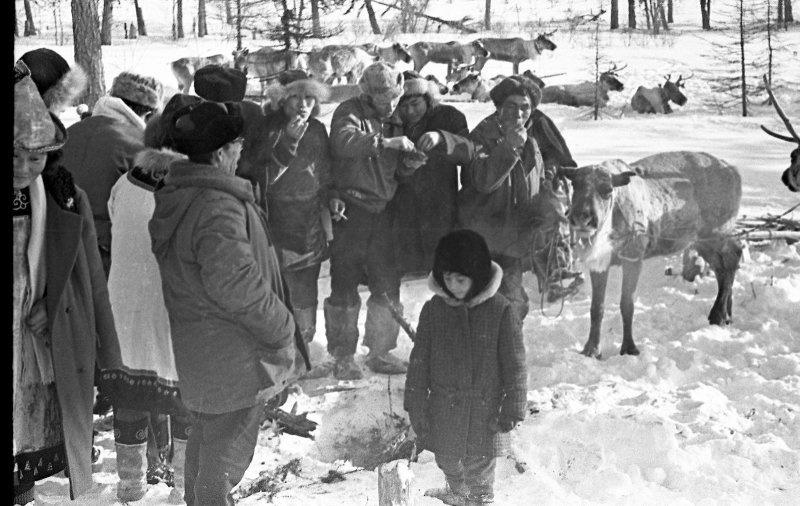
x,y
299,106
230,154
515,111
412,109
384,106
27,167
458,284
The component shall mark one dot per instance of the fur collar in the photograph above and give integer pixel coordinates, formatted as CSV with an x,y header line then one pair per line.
x,y
480,298
115,108
150,166
62,94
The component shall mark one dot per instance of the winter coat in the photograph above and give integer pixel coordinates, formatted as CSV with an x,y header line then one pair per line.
x,y
498,188
555,152
424,206
149,380
232,333
100,149
81,325
466,368
363,172
297,195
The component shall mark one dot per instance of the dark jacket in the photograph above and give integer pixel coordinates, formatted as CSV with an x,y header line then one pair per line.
x,y
363,173
232,332
466,368
82,325
555,152
424,206
297,195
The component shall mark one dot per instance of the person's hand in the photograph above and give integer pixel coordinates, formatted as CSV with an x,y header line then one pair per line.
x,y
429,140
516,137
37,319
414,159
296,128
337,208
400,143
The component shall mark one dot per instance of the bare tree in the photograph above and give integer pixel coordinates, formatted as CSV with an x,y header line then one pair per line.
x,y
107,23
142,30
705,14
669,12
373,20
30,28
88,52
614,14
177,20
632,14
487,16
202,26
228,13
316,28
788,17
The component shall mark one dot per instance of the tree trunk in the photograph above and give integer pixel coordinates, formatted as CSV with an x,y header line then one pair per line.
x,y
663,17
487,16
316,28
394,484
202,26
108,22
16,24
741,58
88,51
632,14
647,15
373,21
179,20
30,28
228,13
139,19
705,14
238,24
614,14
788,16
669,12
780,13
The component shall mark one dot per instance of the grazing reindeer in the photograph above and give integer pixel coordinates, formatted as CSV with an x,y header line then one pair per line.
x,y
267,63
577,95
791,176
514,50
184,68
390,54
656,206
450,53
656,100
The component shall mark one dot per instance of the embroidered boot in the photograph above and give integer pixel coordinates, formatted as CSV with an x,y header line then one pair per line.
x,y
132,471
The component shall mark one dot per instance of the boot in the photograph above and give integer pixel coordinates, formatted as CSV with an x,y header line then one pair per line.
x,y
380,336
306,318
454,496
132,471
178,470
341,330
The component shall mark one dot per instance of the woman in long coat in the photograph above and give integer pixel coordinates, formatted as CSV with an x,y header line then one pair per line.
x,y
62,316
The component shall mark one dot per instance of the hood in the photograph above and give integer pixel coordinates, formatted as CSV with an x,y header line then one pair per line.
x,y
182,184
483,296
150,166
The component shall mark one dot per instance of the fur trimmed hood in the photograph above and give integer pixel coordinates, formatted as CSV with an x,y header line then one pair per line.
x,y
483,296
277,93
63,94
151,165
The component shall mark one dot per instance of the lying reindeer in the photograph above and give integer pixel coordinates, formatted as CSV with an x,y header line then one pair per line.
x,y
656,100
577,95
791,176
655,206
475,86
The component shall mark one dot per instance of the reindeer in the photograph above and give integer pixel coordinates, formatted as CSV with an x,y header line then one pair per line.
x,y
267,63
462,71
475,86
656,206
390,54
514,50
791,176
656,100
184,68
450,53
577,95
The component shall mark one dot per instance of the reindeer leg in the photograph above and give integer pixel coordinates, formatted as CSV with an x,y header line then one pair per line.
x,y
630,278
515,67
599,281
723,255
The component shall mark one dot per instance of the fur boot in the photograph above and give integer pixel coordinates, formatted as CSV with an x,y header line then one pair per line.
x,y
132,471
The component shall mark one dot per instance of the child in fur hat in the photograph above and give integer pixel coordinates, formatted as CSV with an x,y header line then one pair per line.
x,y
468,334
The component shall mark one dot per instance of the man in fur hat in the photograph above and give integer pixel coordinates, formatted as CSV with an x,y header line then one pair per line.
x,y
101,148
368,147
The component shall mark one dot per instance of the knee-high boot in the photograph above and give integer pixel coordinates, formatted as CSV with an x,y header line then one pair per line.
x,y
130,441
306,318
179,471
341,330
380,336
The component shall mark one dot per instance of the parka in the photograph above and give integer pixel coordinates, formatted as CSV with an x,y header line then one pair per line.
x,y
363,172
233,334
425,204
82,326
467,366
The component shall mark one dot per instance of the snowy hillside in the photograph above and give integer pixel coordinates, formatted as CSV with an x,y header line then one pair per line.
x,y
705,415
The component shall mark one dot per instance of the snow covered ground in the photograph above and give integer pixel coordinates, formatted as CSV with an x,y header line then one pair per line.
x,y
705,415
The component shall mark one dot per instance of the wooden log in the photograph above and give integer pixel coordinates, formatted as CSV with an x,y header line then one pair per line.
x,y
394,484
291,423
765,235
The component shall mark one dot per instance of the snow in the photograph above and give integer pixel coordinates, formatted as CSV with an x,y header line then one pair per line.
x,y
704,416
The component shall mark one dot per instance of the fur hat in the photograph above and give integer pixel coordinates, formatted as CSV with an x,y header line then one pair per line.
x,y
203,127
137,88
294,83
465,252
516,85
35,128
58,84
381,81
220,84
415,85
155,132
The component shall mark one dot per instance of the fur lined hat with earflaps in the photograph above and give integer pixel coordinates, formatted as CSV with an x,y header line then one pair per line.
x,y
297,83
137,88
381,81
58,84
35,128
415,85
465,252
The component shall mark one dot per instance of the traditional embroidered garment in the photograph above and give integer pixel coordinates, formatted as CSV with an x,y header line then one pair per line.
x,y
38,437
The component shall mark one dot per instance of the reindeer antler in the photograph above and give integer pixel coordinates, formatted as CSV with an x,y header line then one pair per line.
x,y
549,34
615,69
782,115
668,77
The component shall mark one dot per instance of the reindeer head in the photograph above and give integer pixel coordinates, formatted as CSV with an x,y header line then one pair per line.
x,y
791,176
240,59
593,192
543,42
479,51
673,89
401,52
611,80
